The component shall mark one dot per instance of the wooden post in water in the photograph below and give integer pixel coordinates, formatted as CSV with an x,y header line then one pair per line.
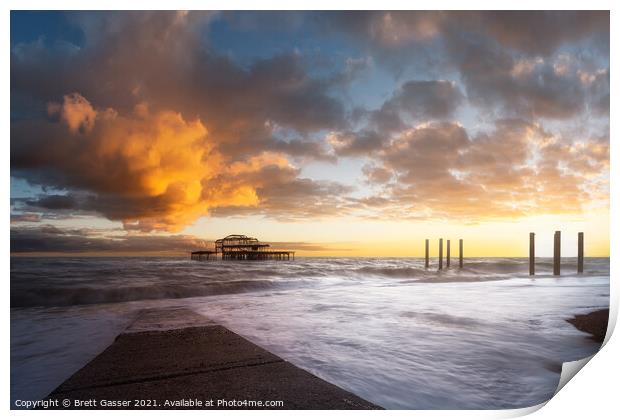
x,y
580,252
440,254
556,252
426,254
448,253
460,253
532,253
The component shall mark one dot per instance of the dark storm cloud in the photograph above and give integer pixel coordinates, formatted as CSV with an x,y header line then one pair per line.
x,y
538,32
51,239
47,238
25,217
350,143
413,101
486,48
418,101
50,207
426,99
532,32
53,202
527,87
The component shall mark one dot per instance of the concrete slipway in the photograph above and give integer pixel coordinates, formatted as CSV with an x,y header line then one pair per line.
x,y
176,358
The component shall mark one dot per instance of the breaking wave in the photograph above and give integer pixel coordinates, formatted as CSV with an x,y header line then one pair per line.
x,y
79,281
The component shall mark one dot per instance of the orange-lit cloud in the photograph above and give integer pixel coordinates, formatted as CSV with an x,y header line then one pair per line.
x,y
156,171
437,171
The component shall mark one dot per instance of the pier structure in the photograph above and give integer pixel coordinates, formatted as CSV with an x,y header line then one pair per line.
x,y
580,252
204,255
440,256
532,254
241,247
557,253
557,241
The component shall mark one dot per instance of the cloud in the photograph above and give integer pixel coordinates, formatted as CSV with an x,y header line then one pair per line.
x,y
537,32
53,202
164,61
523,87
516,170
426,99
75,111
546,30
287,197
350,143
25,218
413,101
50,239
158,171
425,153
504,58
377,175
390,28
151,171
598,84
300,149
148,123
418,101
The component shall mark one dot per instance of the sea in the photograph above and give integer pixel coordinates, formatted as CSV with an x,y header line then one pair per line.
x,y
487,336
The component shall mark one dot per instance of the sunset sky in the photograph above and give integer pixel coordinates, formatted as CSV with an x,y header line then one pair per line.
x,y
332,133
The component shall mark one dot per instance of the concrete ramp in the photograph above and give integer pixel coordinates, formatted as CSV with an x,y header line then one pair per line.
x,y
179,359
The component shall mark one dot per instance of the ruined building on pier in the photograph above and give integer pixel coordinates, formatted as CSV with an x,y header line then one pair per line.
x,y
241,247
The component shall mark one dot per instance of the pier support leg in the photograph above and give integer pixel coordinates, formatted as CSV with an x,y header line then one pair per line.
x,y
448,253
426,254
532,253
441,254
556,252
580,252
460,253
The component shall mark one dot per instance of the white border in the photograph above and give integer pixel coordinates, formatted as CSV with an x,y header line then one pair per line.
x,y
593,395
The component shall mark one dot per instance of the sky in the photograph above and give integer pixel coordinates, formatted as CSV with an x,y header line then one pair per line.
x,y
330,133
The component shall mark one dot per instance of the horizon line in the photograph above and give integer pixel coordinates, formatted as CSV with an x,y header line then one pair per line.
x,y
169,254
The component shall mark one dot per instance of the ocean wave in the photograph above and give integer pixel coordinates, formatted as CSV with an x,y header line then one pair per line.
x,y
66,296
443,319
81,281
392,272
